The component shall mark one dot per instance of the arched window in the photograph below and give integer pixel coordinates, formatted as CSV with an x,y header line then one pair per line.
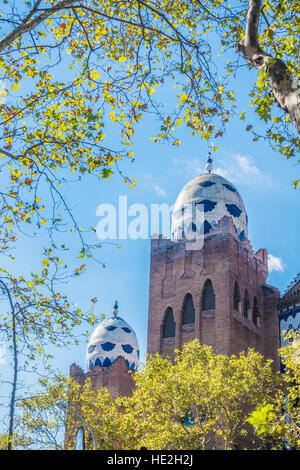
x,y
255,312
188,314
169,324
236,297
246,304
208,296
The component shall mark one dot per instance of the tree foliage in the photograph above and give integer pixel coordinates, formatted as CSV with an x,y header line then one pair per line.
x,y
79,73
115,55
78,78
201,401
274,50
41,424
36,317
280,420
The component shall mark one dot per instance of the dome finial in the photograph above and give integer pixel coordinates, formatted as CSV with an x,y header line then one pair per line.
x,y
209,166
115,311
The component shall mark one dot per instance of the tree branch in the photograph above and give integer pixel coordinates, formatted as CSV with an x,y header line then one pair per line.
x,y
285,91
28,24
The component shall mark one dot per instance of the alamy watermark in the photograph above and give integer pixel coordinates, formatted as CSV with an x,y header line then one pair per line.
x,y
3,92
2,353
137,221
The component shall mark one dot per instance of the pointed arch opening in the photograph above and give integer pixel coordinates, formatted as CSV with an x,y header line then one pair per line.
x,y
188,312
246,306
236,297
256,314
208,296
168,330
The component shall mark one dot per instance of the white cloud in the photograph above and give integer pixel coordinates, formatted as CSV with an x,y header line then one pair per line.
x,y
246,164
149,184
147,177
160,191
275,263
239,168
235,167
190,167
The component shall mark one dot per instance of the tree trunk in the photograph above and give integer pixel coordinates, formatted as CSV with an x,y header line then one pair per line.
x,y
15,360
14,385
285,91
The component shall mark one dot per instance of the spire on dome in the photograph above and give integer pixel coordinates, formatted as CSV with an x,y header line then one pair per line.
x,y
115,311
209,166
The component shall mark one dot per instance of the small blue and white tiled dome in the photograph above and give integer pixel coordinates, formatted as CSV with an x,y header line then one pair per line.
x,y
211,196
111,339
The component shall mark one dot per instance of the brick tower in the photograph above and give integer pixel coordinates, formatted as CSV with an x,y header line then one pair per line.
x,y
206,282
112,352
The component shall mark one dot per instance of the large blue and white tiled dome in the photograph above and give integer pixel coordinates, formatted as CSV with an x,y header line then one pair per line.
x,y
111,339
214,197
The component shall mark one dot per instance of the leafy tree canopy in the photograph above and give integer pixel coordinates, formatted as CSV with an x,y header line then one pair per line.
x,y
281,419
75,70
77,73
200,401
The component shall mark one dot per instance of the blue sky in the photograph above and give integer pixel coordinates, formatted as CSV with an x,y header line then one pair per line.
x,y
264,180
263,177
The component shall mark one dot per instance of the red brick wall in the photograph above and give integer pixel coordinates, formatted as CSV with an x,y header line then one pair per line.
x,y
224,259
271,323
116,379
